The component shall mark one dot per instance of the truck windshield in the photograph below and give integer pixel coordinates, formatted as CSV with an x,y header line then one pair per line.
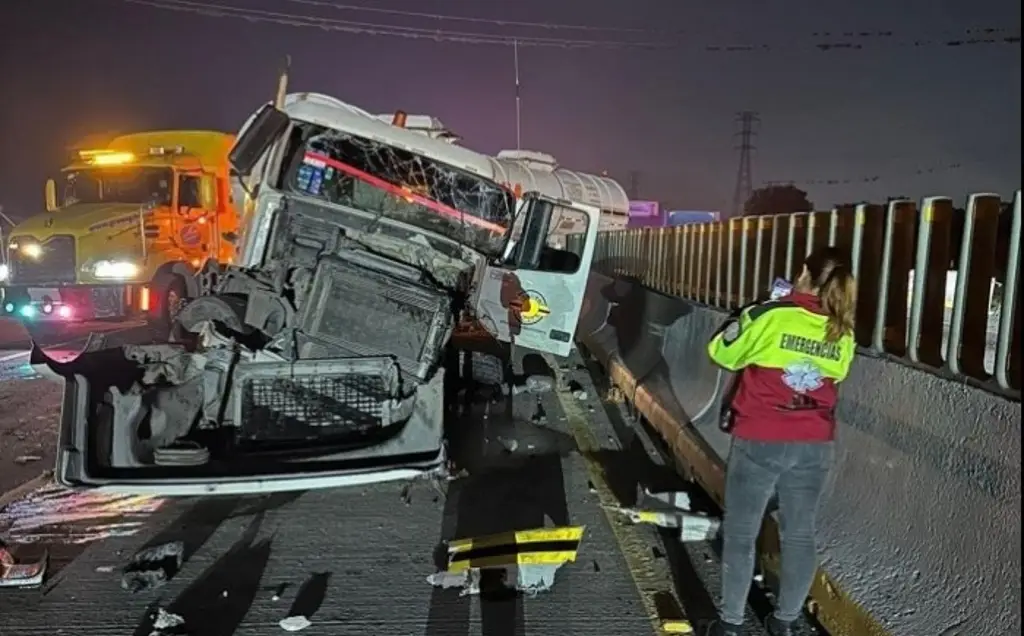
x,y
124,184
381,179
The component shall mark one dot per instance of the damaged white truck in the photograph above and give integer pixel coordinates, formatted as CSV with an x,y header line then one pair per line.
x,y
319,356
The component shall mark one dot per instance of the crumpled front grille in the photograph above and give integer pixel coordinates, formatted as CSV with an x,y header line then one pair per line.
x,y
310,400
57,264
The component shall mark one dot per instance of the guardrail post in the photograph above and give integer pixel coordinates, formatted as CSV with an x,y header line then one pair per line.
x,y
975,273
1008,345
931,269
698,282
890,324
730,257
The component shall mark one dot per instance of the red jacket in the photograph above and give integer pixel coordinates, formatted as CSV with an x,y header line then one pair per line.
x,y
787,386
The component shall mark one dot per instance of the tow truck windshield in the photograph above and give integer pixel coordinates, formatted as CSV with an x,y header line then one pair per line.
x,y
380,179
127,184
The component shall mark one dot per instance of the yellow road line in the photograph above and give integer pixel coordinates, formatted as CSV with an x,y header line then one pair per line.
x,y
657,592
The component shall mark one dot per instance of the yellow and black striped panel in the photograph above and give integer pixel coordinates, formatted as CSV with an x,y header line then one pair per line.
x,y
540,546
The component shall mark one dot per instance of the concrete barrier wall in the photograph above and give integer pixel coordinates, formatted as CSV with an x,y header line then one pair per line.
x,y
921,523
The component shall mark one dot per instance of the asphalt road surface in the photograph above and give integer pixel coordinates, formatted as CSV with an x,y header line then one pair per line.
x,y
355,561
30,403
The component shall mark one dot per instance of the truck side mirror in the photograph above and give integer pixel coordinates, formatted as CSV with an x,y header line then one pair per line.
x,y
51,196
262,131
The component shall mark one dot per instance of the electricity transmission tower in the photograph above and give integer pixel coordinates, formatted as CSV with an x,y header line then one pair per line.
x,y
747,121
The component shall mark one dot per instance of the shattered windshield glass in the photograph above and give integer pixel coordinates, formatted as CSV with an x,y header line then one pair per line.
x,y
381,179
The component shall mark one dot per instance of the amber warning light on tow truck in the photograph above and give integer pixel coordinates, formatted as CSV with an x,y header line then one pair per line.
x,y
106,157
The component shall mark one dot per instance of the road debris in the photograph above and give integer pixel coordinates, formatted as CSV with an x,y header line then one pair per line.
x,y
678,499
526,560
692,526
26,459
164,622
294,623
27,574
153,567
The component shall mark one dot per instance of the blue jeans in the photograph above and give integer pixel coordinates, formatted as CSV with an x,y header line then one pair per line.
x,y
756,471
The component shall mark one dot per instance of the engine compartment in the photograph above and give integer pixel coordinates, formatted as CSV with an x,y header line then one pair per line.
x,y
331,351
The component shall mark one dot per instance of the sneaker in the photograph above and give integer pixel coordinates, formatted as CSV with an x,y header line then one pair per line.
x,y
721,628
778,628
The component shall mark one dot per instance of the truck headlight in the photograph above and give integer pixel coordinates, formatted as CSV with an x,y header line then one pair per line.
x,y
5,272
121,270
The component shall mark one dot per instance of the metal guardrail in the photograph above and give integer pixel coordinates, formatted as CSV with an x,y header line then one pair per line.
x,y
730,263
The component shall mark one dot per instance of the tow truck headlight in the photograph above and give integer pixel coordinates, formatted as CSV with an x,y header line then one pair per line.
x,y
5,272
120,270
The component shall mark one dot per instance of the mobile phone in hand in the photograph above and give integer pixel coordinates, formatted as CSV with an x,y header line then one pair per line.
x,y
780,288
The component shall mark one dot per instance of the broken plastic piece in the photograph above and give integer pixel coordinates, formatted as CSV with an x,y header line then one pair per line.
x,y
679,626
165,621
152,567
693,527
294,623
542,546
528,559
14,574
678,499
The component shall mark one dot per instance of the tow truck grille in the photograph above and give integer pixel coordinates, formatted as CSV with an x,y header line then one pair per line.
x,y
57,263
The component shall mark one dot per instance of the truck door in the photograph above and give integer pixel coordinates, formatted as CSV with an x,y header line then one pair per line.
x,y
533,294
196,215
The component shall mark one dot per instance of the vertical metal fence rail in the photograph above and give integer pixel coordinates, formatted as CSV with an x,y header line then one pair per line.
x,y
730,263
731,269
976,269
714,264
748,246
686,262
1007,367
931,264
871,219
702,243
791,221
760,235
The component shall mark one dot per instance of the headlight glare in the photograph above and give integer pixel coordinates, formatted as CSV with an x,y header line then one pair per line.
x,y
122,270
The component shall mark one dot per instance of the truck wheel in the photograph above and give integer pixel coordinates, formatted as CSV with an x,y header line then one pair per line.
x,y
169,290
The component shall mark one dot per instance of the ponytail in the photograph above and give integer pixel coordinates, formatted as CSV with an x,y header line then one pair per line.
x,y
839,300
831,277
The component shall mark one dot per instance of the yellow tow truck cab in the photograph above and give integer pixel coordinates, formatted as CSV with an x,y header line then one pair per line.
x,y
126,226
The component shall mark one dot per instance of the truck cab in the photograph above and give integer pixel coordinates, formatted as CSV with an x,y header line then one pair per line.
x,y
125,228
321,357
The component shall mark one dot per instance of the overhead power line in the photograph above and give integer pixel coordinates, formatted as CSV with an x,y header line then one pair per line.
x,y
443,17
987,36
875,178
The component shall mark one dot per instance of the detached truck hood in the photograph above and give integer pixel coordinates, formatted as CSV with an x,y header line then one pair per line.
x,y
77,220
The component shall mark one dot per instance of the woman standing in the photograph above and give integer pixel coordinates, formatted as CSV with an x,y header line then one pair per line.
x,y
791,354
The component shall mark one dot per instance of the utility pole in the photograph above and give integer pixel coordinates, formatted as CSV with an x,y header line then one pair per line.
x,y
282,83
515,59
634,185
747,121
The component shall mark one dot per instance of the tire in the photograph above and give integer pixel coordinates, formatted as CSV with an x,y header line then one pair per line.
x,y
487,369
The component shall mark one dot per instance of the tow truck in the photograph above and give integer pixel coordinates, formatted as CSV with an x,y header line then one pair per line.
x,y
323,356
124,231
